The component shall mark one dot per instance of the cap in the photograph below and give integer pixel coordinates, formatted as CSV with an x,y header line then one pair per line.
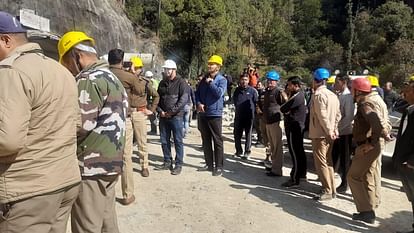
x,y
9,24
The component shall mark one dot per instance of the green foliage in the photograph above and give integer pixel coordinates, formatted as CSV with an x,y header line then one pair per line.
x,y
293,36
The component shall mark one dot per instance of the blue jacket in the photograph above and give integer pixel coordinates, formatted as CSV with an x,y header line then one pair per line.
x,y
212,95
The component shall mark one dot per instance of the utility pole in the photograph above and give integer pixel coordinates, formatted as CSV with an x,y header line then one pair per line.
x,y
351,26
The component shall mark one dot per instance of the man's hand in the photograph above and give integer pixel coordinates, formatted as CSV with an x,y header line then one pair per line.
x,y
366,147
209,80
333,136
163,114
147,112
200,108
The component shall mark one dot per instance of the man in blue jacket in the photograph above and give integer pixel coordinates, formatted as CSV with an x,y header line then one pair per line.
x,y
210,100
244,98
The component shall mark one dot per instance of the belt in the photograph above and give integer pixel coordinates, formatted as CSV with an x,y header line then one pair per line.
x,y
368,140
139,109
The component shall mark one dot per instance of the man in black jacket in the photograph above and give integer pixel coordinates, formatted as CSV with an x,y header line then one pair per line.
x,y
294,111
173,97
403,157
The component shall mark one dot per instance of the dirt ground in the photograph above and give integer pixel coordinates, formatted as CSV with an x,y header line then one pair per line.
x,y
244,199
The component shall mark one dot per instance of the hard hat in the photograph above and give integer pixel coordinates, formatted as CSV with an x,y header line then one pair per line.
x,y
169,64
136,61
273,75
361,84
321,74
411,78
331,80
216,59
69,40
373,80
148,74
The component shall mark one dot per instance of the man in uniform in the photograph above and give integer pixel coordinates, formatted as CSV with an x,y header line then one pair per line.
x,y
139,96
115,59
323,130
39,172
101,137
367,131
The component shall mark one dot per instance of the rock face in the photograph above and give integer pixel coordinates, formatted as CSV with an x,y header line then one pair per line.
x,y
104,20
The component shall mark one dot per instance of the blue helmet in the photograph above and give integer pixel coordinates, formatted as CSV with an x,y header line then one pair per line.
x,y
321,74
273,75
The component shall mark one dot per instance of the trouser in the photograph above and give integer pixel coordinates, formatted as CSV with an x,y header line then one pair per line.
x,y
140,129
263,133
322,156
361,178
274,135
294,136
94,210
407,179
210,129
186,119
127,178
154,122
377,174
341,153
172,125
243,125
46,213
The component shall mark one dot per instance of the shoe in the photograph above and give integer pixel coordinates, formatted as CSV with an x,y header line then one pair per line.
x,y
206,168
303,179
127,201
290,184
324,197
238,154
342,189
271,174
268,169
218,171
365,216
167,166
268,163
145,172
176,170
245,155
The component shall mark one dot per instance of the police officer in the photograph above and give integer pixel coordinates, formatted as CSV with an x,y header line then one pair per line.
x,y
39,172
367,131
139,96
101,138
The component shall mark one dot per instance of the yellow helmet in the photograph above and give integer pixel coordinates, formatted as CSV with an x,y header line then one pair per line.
x,y
331,80
373,80
136,61
216,59
69,40
411,78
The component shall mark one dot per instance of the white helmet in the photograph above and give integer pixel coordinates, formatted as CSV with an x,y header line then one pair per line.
x,y
148,74
169,64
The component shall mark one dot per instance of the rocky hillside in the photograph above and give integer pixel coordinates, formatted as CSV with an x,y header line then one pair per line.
x,y
104,20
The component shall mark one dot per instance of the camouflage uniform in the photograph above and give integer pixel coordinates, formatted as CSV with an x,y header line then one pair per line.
x,y
101,140
103,103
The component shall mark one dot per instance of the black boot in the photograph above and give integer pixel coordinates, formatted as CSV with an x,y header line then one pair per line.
x,y
365,216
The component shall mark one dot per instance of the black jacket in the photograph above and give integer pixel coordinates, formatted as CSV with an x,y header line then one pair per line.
x,y
404,149
295,109
173,96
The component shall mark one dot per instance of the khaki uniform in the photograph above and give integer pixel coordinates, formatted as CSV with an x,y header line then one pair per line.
x,y
381,109
39,173
325,115
361,176
138,90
